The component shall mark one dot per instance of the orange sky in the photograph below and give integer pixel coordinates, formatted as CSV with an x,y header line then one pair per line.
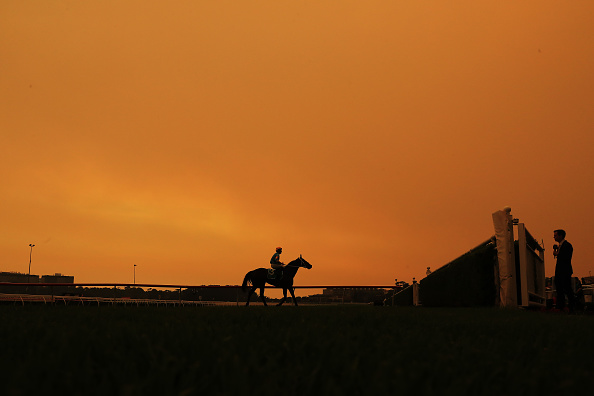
x,y
373,137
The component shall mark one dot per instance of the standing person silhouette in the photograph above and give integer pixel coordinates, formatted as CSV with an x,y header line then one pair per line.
x,y
563,271
277,264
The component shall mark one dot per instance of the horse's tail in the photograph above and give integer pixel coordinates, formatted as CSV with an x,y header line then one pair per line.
x,y
246,281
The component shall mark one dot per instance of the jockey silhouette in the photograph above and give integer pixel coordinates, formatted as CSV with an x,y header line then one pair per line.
x,y
277,264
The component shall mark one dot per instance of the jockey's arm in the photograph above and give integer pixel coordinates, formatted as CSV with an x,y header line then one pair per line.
x,y
277,263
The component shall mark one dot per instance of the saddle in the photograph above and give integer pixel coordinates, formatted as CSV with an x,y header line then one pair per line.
x,y
275,274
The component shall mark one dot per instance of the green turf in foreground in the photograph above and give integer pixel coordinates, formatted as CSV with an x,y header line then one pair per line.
x,y
330,350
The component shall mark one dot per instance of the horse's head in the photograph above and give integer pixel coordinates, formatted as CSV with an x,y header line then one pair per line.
x,y
302,263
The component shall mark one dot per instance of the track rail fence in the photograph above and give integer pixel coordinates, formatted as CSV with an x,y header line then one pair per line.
x,y
52,298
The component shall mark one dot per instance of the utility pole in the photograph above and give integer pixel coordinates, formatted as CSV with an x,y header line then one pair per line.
x,y
30,256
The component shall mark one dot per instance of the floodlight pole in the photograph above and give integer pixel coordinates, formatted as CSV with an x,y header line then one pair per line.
x,y
134,273
30,256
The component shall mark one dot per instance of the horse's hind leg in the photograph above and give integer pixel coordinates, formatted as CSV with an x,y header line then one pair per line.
x,y
284,298
262,296
249,296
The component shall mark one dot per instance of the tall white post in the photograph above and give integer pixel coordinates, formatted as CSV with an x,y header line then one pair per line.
x,y
504,234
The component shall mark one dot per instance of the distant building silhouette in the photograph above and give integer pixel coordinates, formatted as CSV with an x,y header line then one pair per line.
x,y
31,283
17,277
351,295
57,278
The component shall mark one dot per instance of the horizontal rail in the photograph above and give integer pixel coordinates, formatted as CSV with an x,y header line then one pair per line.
x,y
27,298
181,286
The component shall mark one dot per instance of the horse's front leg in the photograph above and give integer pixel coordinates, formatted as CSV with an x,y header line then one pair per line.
x,y
262,296
292,295
284,297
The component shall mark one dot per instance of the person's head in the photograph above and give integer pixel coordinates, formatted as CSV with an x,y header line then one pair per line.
x,y
559,235
279,249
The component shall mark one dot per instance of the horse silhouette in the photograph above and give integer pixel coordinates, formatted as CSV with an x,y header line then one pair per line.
x,y
259,277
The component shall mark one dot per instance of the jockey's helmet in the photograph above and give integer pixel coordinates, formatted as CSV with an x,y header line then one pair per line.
x,y
278,249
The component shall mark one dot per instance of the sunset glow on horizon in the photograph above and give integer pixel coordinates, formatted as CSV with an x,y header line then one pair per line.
x,y
374,138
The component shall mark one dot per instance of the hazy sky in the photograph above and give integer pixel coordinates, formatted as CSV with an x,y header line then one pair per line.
x,y
374,137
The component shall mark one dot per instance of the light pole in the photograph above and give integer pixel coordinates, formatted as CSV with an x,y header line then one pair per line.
x,y
134,273
30,255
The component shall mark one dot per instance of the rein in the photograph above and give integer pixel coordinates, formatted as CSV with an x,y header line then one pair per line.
x,y
298,266
289,265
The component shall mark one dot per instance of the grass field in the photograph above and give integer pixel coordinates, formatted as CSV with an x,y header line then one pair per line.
x,y
330,350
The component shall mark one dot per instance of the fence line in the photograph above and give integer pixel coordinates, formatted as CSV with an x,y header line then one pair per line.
x,y
81,300
180,286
